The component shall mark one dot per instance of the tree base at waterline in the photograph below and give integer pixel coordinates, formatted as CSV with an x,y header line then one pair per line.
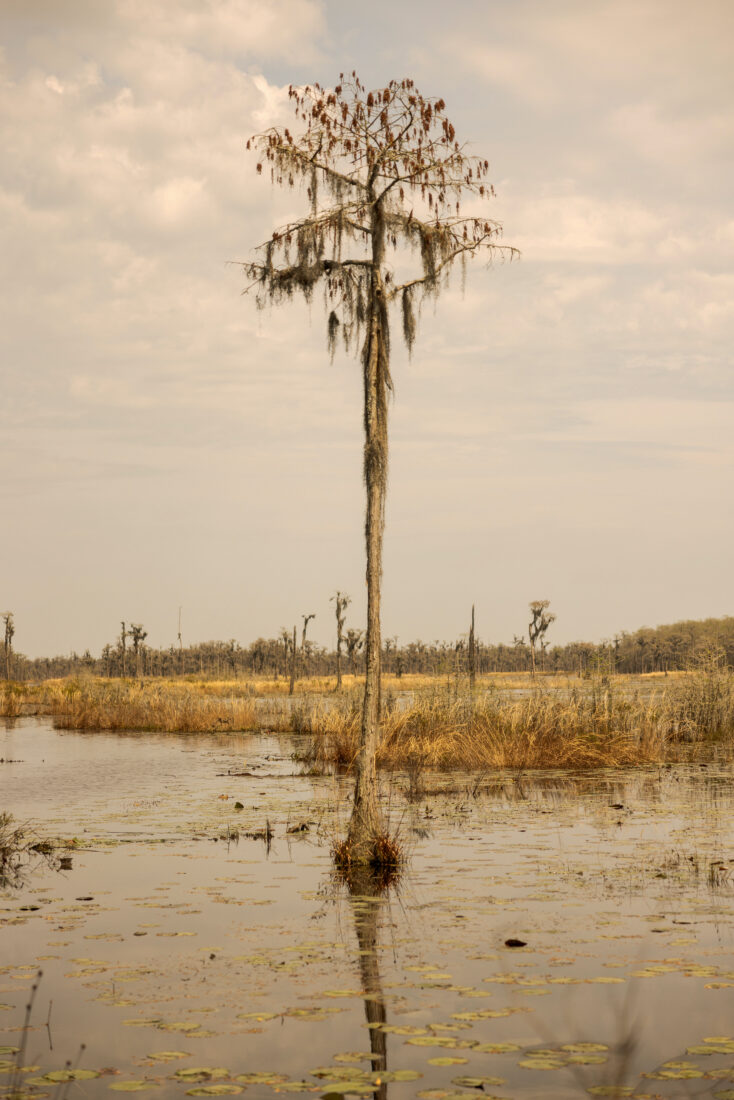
x,y
383,861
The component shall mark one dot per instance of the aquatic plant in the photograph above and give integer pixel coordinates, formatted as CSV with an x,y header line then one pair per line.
x,y
18,846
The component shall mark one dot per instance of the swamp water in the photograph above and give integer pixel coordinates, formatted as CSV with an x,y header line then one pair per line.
x,y
189,962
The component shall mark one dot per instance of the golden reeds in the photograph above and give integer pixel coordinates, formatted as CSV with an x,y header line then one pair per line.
x,y
533,732
543,729
153,706
12,696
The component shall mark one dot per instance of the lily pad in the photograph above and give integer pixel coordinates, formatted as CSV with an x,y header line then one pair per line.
x,y
447,1094
134,1086
542,1063
299,1086
204,1072
59,1075
497,1048
354,1056
167,1055
214,1090
477,1082
263,1078
447,1061
398,1075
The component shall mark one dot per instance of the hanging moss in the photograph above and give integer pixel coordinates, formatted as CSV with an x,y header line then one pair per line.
x,y
333,328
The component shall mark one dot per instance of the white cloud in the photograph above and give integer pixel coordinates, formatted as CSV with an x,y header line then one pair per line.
x,y
229,29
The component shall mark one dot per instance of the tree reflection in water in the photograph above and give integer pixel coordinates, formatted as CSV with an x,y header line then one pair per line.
x,y
367,892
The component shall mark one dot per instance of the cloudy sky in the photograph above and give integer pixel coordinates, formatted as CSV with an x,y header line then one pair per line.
x,y
563,430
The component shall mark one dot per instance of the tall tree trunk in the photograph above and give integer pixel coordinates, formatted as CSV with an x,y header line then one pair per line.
x,y
293,663
366,823
472,653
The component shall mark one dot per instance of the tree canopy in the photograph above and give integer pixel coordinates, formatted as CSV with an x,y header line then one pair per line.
x,y
392,153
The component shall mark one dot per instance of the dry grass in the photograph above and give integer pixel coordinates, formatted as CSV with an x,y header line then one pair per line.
x,y
533,732
155,706
544,729
12,696
308,685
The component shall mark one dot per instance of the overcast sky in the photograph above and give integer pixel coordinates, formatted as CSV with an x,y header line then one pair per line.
x,y
564,429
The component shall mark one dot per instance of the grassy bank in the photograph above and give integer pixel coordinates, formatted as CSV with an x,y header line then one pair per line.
x,y
506,722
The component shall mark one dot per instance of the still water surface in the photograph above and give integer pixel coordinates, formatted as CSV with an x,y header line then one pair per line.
x,y
168,946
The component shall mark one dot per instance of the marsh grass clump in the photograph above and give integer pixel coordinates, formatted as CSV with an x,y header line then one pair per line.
x,y
12,697
19,845
600,726
537,731
166,707
14,845
700,705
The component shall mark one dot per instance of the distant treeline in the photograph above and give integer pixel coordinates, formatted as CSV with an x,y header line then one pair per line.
x,y
664,648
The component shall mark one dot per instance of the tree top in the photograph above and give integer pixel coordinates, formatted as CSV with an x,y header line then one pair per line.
x,y
383,171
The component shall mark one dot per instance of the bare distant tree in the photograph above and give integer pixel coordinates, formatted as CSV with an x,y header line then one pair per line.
x,y
107,658
539,623
123,651
306,621
393,175
9,632
285,639
294,658
394,641
180,643
391,646
354,642
138,636
472,656
341,603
